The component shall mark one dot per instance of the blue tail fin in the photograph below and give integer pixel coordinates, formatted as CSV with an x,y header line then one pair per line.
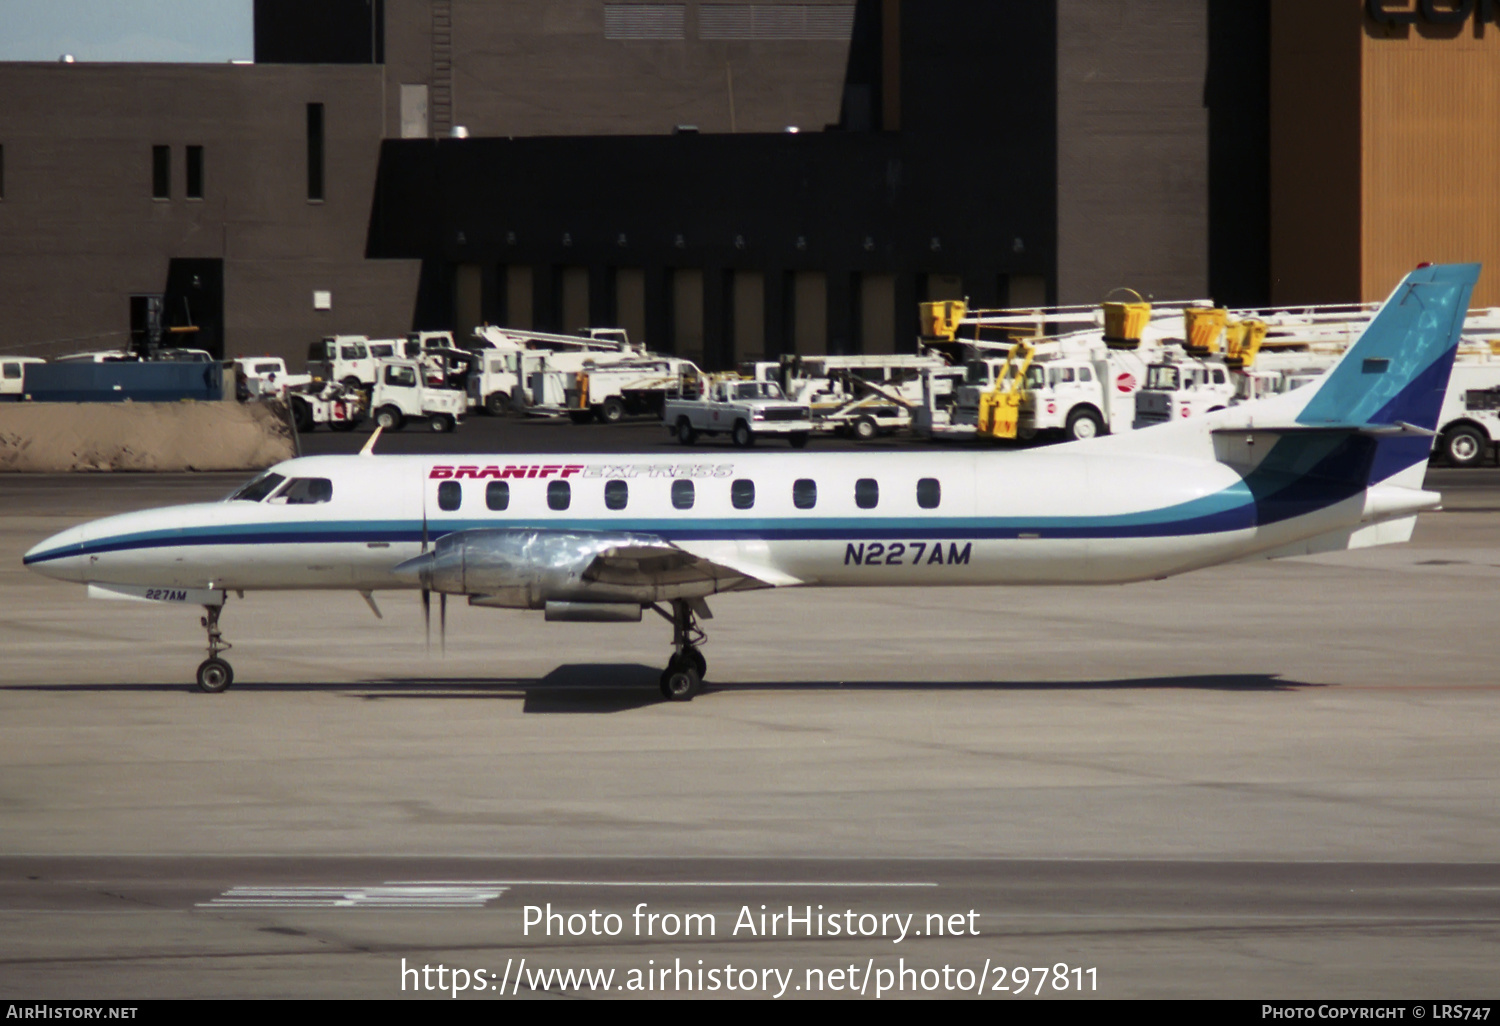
x,y
1398,371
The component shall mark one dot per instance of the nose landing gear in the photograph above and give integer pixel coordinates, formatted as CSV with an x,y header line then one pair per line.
x,y
683,677
214,674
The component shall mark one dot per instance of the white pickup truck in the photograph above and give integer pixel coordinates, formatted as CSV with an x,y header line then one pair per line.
x,y
745,410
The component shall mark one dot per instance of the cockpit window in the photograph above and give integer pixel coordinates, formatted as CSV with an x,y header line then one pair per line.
x,y
305,491
259,488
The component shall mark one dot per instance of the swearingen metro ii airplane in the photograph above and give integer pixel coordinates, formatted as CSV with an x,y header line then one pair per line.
x,y
1334,465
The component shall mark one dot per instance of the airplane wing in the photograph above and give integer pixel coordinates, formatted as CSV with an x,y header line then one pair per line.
x,y
660,563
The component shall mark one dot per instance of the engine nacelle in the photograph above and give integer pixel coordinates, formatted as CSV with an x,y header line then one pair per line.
x,y
528,568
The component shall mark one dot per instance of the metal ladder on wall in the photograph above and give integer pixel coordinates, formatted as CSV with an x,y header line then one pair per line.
x,y
442,67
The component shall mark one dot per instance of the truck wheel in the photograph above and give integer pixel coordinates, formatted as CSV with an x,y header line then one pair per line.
x,y
302,416
798,439
685,433
744,438
1084,423
612,412
352,383
342,425
1464,446
497,405
865,429
440,424
389,417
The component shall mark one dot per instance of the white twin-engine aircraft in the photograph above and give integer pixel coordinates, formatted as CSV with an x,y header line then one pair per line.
x,y
1334,465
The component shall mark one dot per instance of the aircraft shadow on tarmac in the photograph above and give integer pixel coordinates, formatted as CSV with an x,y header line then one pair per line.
x,y
619,687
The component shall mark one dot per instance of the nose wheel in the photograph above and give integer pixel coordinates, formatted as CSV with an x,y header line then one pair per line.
x,y
214,674
683,677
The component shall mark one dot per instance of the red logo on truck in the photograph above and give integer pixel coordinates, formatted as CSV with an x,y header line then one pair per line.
x,y
523,471
1125,382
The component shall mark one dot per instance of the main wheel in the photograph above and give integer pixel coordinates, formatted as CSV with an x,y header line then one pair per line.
x,y
695,658
612,412
497,405
214,675
1464,446
390,418
1084,423
743,436
680,683
685,433
798,439
865,429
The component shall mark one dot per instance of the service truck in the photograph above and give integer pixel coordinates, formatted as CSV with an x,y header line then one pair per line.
x,y
744,410
401,394
607,392
1469,422
342,358
331,403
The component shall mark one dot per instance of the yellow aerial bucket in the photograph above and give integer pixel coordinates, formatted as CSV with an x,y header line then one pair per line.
x,y
1124,322
940,319
1202,327
1000,414
1242,343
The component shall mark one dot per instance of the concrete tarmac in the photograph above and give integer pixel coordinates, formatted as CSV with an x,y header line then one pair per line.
x,y
1265,780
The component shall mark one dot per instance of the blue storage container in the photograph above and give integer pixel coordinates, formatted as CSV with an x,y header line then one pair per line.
x,y
115,382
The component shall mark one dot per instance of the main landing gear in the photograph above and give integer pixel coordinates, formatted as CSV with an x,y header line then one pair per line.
x,y
683,677
214,674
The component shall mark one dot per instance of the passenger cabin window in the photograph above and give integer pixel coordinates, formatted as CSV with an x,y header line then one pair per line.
x,y
305,491
742,494
682,495
804,493
401,377
259,488
616,494
866,493
497,495
929,493
559,494
450,496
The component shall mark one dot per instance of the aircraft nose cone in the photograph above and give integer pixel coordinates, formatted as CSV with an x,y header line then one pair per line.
x,y
60,556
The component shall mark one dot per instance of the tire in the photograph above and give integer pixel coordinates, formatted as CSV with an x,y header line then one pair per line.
x,y
342,425
440,424
1465,446
865,429
351,382
700,664
581,416
798,439
1084,423
390,418
685,433
214,675
497,405
612,412
680,683
302,416
744,438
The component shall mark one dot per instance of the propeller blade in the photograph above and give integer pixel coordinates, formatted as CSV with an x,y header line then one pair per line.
x,y
443,620
427,615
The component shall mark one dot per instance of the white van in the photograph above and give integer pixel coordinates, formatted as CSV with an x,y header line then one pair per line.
x,y
13,375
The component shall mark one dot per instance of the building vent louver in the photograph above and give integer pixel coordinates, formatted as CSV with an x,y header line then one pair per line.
x,y
833,22
645,21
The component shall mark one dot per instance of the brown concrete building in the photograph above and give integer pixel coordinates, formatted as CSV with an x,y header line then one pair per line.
x,y
1385,136
1011,151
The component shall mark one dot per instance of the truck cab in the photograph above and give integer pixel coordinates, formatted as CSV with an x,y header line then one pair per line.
x,y
401,394
1180,387
342,358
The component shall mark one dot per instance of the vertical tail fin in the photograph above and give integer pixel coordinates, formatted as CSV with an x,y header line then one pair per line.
x,y
1397,373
